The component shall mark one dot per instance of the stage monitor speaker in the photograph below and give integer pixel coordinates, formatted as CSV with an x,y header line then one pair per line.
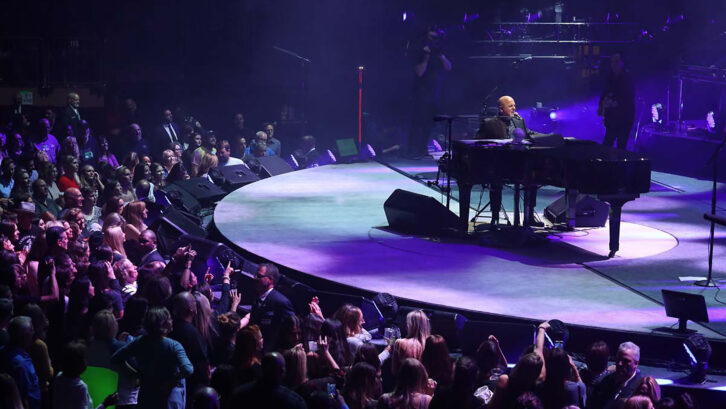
x,y
179,197
513,338
418,214
171,226
210,254
237,176
589,212
204,191
273,166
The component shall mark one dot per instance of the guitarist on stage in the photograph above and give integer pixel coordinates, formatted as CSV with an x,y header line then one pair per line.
x,y
617,104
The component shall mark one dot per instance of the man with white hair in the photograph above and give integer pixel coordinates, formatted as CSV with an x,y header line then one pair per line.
x,y
621,383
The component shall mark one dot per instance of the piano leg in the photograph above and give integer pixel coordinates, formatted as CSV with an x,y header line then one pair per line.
x,y
616,208
516,204
464,201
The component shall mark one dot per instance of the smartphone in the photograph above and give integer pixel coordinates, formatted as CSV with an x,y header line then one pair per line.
x,y
313,346
332,391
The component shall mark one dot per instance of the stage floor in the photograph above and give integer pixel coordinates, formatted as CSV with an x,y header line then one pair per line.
x,y
329,222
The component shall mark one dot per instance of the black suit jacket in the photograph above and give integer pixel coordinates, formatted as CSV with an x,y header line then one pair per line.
x,y
603,396
67,117
153,256
162,139
268,315
496,128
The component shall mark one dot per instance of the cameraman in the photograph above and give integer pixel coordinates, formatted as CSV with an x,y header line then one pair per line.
x,y
429,63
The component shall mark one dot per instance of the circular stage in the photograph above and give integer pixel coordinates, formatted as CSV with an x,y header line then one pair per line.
x,y
329,222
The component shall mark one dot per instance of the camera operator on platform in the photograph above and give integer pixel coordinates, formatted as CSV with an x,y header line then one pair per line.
x,y
429,63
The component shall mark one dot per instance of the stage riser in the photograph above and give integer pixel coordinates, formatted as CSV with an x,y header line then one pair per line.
x,y
680,155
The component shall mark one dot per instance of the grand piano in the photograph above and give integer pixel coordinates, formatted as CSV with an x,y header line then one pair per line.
x,y
578,166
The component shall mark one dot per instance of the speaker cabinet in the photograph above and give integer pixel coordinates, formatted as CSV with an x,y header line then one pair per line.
x,y
589,212
418,214
236,176
171,226
273,166
204,191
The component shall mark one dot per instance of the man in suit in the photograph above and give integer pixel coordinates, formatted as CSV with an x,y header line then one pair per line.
x,y
619,384
503,125
507,125
271,306
307,155
167,131
148,250
70,116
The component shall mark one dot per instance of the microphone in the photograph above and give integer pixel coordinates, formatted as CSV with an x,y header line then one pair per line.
x,y
516,115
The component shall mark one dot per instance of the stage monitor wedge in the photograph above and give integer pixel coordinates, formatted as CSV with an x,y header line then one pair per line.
x,y
589,211
414,213
204,191
237,176
273,166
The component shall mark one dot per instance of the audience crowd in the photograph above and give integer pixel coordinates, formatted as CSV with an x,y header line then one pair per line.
x,y
84,290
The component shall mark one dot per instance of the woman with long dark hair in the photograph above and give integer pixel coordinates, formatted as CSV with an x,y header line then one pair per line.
x,y
106,154
158,175
141,171
411,388
360,386
133,319
522,379
460,394
49,173
247,355
338,344
436,360
102,276
79,298
562,386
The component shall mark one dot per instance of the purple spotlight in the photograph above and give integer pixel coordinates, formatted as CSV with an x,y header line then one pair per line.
x,y
553,115
405,16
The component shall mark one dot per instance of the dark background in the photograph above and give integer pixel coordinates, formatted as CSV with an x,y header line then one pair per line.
x,y
212,59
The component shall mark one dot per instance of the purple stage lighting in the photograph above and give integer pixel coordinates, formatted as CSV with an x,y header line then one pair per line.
x,y
711,121
405,16
656,113
553,115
